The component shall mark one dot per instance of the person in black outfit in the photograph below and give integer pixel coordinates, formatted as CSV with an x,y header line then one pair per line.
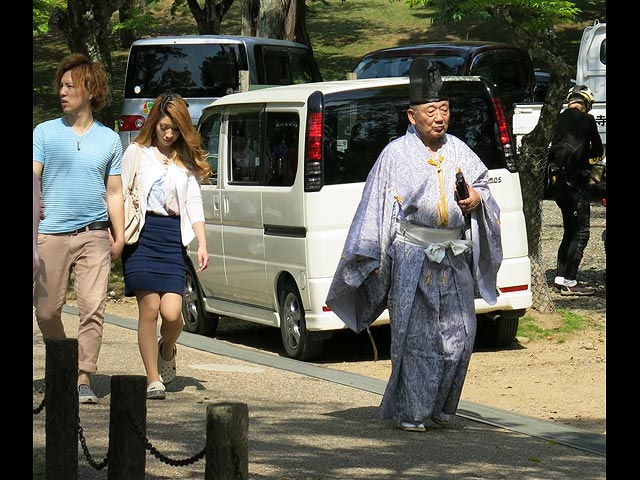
x,y
575,141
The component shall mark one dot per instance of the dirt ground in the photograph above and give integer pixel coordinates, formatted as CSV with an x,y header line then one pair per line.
x,y
558,378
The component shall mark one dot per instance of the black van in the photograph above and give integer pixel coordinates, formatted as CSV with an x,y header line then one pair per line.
x,y
507,68
202,68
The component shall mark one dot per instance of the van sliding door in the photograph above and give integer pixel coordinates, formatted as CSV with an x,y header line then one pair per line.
x,y
242,224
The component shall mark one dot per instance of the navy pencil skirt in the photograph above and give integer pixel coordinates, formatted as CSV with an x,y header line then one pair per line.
x,y
156,263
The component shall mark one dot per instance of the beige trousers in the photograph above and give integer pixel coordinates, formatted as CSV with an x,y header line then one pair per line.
x,y
88,255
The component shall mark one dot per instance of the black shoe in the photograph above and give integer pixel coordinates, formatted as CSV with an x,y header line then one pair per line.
x,y
577,290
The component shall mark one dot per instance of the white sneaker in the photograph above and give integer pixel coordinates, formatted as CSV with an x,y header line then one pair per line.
x,y
412,426
86,395
155,391
166,368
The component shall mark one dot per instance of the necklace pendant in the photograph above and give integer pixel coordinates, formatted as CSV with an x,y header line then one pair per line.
x,y
78,144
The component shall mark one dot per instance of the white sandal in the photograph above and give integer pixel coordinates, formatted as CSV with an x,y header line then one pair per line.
x,y
155,391
166,368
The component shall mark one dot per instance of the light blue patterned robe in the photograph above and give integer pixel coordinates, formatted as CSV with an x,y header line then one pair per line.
x,y
431,305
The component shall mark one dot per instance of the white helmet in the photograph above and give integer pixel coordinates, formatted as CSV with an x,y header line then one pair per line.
x,y
581,93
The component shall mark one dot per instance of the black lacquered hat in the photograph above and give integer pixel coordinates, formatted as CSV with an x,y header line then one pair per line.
x,y
425,83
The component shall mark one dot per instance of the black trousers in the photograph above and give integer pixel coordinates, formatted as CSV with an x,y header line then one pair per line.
x,y
575,205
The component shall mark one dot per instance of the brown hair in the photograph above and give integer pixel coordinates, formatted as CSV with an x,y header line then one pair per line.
x,y
90,77
187,146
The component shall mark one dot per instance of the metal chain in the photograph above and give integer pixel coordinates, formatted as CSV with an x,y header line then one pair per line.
x,y
163,458
147,444
85,449
39,408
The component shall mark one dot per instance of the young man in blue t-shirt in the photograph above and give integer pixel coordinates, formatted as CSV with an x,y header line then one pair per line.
x,y
77,159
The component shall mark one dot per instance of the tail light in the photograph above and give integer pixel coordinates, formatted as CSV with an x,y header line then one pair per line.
x,y
130,123
504,135
313,172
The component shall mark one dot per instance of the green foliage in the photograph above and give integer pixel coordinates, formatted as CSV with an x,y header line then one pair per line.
x,y
569,322
533,15
41,11
144,24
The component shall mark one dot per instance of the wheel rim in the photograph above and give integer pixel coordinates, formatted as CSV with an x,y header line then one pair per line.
x,y
292,320
190,302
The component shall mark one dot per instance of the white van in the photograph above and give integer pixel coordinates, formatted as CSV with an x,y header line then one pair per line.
x,y
289,165
202,68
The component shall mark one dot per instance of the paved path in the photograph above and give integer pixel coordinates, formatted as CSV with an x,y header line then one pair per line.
x,y
312,423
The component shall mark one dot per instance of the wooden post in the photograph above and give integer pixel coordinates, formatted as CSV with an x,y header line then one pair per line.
x,y
61,408
243,79
126,446
227,447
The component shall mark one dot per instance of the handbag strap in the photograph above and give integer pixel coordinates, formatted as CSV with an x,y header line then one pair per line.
x,y
136,162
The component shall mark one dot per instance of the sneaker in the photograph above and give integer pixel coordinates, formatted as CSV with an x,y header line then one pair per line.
x,y
412,426
166,368
86,395
577,290
558,286
156,391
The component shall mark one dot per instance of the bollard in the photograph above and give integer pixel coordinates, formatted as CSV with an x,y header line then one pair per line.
x,y
126,443
61,397
227,448
243,80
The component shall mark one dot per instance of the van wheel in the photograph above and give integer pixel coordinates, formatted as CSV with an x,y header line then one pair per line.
x,y
298,343
196,319
496,331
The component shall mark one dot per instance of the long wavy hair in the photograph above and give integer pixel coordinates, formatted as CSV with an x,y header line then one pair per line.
x,y
187,146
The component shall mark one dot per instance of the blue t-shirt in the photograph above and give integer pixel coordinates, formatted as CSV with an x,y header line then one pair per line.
x,y
75,170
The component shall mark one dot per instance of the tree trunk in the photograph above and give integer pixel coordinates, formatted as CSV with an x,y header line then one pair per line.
x,y
209,17
85,26
250,11
533,161
281,19
271,18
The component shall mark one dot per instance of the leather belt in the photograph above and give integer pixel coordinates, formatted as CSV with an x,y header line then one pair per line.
x,y
92,226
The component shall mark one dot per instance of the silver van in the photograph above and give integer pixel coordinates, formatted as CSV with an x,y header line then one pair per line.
x,y
288,168
203,68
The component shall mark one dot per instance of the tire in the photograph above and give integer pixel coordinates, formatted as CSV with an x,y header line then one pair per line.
x,y
196,318
496,331
298,343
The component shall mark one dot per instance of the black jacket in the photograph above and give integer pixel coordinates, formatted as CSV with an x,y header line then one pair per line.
x,y
575,141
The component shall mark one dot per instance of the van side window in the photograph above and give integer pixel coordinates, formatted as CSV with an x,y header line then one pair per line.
x,y
284,65
483,67
282,149
210,133
244,148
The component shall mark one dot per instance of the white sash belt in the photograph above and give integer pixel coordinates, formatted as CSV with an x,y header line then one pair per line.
x,y
434,240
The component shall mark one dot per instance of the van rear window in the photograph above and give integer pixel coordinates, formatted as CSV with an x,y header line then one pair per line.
x,y
208,70
359,124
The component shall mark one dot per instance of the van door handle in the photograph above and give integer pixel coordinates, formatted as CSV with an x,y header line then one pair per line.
x,y
226,204
216,206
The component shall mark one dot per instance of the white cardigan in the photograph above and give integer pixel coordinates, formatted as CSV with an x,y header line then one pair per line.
x,y
187,187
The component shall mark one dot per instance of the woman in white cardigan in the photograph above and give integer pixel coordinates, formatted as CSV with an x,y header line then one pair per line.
x,y
171,166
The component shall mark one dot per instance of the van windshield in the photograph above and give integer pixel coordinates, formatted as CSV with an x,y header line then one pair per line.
x,y
380,67
359,124
207,70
